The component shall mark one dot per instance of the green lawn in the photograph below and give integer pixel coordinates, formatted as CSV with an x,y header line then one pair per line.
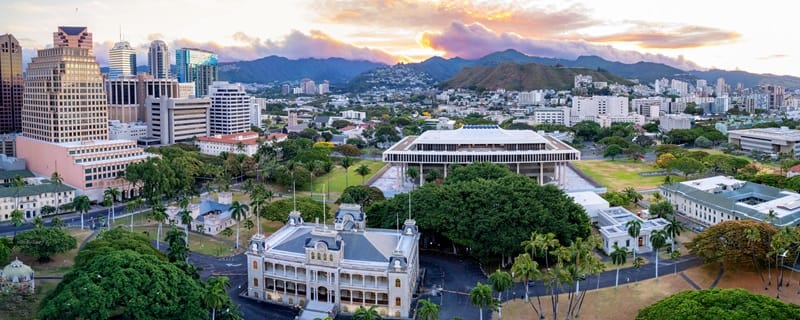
x,y
337,176
622,173
197,243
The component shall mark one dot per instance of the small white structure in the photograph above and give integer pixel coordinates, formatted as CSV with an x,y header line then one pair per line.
x,y
613,229
17,277
208,216
592,202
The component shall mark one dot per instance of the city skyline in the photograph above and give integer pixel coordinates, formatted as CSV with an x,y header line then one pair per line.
x,y
684,34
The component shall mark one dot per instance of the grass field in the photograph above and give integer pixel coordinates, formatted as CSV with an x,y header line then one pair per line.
x,y
197,243
59,264
620,174
336,178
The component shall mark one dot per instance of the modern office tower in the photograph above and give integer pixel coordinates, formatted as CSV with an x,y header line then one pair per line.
x,y
198,66
74,37
721,89
11,84
177,119
158,59
256,106
121,60
65,122
230,108
126,96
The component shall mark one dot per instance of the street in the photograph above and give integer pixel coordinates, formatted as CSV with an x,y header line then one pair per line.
x,y
70,219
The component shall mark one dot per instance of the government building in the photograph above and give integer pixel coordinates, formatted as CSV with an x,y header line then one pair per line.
x,y
525,152
336,269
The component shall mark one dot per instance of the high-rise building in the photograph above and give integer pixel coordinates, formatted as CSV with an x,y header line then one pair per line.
x,y
775,94
121,60
307,86
177,119
721,89
11,84
158,59
126,96
65,121
74,37
324,87
198,66
230,108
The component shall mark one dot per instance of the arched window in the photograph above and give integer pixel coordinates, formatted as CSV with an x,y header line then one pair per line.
x,y
397,283
255,282
397,301
330,257
255,265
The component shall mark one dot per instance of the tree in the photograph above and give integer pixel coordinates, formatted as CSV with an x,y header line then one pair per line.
x,y
248,224
658,239
216,294
5,249
433,175
43,243
687,166
612,151
258,196
238,212
48,210
726,243
159,214
664,161
346,163
227,232
366,313
362,195
527,270
753,236
481,297
500,281
427,310
478,170
673,230
719,304
57,223
178,248
634,227
17,182
116,240
413,173
186,220
38,222
17,219
663,209
348,150
632,195
57,181
618,257
113,194
363,170
702,142
81,204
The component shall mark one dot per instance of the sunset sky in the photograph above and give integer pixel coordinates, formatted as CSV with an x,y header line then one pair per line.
x,y
685,34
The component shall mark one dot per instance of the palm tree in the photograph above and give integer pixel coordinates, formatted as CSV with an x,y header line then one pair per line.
x,y
312,167
658,239
481,297
82,205
112,193
366,314
291,166
363,170
107,202
618,257
634,230
57,223
540,242
186,220
771,216
413,173
159,214
674,255
657,197
257,202
347,162
238,212
37,222
227,232
674,229
780,244
130,206
427,310
17,219
56,179
17,183
632,195
527,270
500,281
753,236
216,294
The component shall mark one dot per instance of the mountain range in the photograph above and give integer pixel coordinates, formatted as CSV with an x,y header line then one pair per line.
x,y
524,77
280,69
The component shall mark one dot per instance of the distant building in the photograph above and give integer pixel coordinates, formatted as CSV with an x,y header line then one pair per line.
x,y
767,140
559,116
73,37
614,231
307,86
592,108
126,130
121,60
230,108
591,202
716,199
17,277
12,84
256,106
582,81
178,119
126,95
8,144
354,115
648,107
158,59
524,151
775,95
530,98
721,89
286,89
669,122
198,66
336,268
324,87
236,143
31,198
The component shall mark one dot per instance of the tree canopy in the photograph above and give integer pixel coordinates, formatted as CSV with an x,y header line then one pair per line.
x,y
727,242
730,304
362,195
43,243
309,209
115,240
489,216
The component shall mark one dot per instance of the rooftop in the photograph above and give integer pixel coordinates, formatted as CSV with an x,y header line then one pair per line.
x,y
73,31
374,245
782,133
33,189
10,174
480,134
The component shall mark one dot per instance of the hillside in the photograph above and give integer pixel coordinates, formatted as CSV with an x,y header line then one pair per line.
x,y
274,68
398,76
524,77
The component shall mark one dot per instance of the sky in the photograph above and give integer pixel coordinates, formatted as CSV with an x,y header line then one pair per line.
x,y
694,34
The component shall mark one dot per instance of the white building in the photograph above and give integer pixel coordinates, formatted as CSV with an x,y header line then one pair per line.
x,y
186,89
230,108
613,230
121,60
669,122
716,199
336,268
591,108
31,198
607,120
126,131
324,87
524,151
177,119
530,98
582,81
591,202
551,115
648,107
256,105
208,216
767,140
354,115
245,143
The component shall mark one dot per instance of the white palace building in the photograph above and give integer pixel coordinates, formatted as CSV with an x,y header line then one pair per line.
x,y
523,151
330,271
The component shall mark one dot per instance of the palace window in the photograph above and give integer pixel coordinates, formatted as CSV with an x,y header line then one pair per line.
x,y
397,301
255,282
397,283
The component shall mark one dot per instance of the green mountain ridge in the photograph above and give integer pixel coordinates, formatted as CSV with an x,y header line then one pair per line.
x,y
524,77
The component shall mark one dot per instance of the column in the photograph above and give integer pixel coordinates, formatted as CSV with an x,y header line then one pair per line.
x,y
541,173
564,174
421,175
517,167
445,170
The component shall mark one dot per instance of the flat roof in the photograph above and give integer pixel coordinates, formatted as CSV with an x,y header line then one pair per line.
x,y
770,133
489,134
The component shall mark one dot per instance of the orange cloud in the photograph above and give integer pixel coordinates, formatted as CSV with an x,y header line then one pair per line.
x,y
671,38
475,40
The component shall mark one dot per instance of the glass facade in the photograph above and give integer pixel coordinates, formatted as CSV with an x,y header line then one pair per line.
x,y
198,66
11,84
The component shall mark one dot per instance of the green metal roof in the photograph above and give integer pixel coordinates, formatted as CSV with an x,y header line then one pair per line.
x,y
13,173
33,189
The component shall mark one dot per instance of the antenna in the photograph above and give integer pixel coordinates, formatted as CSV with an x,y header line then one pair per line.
x,y
120,33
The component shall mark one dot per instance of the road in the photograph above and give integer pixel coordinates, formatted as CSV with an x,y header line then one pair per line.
x,y
71,219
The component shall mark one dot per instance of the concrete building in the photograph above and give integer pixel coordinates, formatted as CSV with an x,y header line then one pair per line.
x,y
8,145
336,268
613,230
524,151
551,115
256,106
324,87
198,66
775,95
531,98
178,119
65,127
121,60
582,81
721,89
354,115
767,140
12,84
73,37
648,107
716,199
126,95
593,108
31,198
231,143
158,59
126,130
230,108
669,122
591,202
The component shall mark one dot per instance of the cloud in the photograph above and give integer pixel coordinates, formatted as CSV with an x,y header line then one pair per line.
x,y
296,45
666,37
523,17
476,40
773,56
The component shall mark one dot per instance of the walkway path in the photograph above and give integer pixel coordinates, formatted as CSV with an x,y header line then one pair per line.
x,y
690,281
719,276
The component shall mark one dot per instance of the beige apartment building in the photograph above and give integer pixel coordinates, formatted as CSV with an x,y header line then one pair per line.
x,y
177,119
